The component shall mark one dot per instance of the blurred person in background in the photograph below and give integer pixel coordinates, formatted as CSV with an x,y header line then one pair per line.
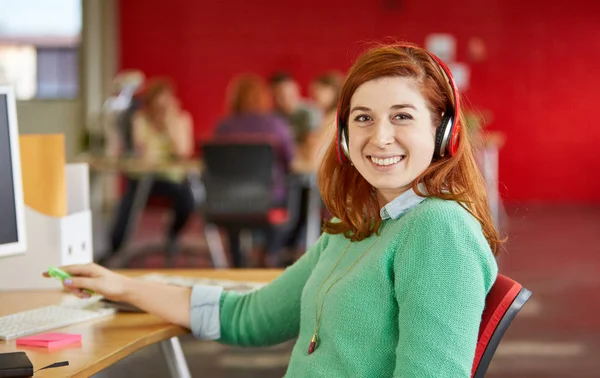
x,y
250,107
161,132
304,119
117,112
301,116
325,92
251,112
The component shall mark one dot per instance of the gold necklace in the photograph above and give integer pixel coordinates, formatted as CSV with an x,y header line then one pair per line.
x,y
315,338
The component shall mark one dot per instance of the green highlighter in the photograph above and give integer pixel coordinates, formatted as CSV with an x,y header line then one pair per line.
x,y
55,272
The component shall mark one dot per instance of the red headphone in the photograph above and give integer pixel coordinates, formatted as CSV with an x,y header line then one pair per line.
x,y
446,137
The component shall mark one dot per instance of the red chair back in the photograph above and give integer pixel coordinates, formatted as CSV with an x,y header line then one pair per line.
x,y
504,301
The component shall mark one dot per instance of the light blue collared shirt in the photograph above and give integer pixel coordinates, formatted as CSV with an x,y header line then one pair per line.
x,y
205,321
205,311
401,204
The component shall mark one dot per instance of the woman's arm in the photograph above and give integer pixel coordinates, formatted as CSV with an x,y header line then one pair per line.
x,y
319,140
181,134
270,315
267,316
171,303
139,134
168,302
443,273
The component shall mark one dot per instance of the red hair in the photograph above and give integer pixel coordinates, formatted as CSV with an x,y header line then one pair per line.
x,y
155,87
456,178
249,94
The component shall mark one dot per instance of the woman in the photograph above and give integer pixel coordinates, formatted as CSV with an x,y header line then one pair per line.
x,y
396,284
161,131
251,113
325,92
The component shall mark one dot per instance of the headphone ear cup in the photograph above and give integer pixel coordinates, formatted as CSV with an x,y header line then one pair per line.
x,y
453,143
443,135
344,144
341,146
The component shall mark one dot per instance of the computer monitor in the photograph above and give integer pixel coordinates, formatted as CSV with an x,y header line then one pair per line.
x,y
12,222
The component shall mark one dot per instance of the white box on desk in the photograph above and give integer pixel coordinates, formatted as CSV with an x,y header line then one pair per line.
x,y
53,241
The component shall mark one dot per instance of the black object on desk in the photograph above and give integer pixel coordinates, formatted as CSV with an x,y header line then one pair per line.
x,y
121,306
16,365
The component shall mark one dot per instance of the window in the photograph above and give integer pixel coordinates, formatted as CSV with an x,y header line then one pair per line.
x,y
39,47
18,68
57,73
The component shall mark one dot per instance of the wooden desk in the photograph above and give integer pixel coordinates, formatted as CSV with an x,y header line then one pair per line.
x,y
106,341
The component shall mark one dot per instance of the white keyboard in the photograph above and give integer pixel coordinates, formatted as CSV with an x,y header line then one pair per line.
x,y
228,285
46,318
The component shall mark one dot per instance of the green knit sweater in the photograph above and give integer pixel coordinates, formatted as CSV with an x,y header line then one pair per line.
x,y
410,308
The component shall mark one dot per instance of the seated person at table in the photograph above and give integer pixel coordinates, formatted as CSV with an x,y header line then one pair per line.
x,y
303,118
325,92
162,132
396,284
250,107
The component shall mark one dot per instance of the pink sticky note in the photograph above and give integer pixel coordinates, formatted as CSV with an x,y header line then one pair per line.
x,y
49,340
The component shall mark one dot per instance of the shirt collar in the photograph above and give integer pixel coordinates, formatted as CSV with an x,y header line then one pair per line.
x,y
401,204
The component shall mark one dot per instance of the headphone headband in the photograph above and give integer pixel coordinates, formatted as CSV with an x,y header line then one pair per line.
x,y
450,78
447,132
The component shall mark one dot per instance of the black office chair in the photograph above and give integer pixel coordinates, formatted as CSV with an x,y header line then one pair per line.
x,y
239,187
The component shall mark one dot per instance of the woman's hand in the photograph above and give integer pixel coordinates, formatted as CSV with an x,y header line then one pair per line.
x,y
171,303
96,278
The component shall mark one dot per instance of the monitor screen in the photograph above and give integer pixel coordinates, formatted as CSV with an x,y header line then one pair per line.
x,y
8,217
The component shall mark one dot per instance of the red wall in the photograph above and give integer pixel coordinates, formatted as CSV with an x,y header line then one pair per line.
x,y
538,79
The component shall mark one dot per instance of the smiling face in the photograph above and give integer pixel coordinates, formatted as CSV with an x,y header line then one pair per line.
x,y
391,134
